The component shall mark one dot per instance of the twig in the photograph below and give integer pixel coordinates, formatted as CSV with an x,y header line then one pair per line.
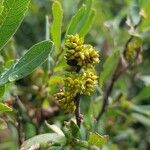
x,y
22,116
77,111
77,104
117,73
56,61
106,96
19,120
21,137
131,37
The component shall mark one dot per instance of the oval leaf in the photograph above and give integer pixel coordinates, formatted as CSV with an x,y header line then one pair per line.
x,y
57,23
73,25
54,128
11,17
4,108
98,140
34,57
84,30
82,21
43,139
144,94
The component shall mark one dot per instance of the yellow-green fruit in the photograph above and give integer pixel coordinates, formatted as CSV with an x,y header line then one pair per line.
x,y
84,81
74,42
73,83
90,81
91,56
132,48
66,101
80,54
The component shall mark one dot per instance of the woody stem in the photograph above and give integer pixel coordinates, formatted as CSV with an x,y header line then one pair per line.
x,y
77,111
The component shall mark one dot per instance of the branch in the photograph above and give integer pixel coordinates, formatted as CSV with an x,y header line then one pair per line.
x,y
117,73
106,96
19,125
77,111
56,61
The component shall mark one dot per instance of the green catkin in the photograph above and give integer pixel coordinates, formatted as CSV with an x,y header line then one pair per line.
x,y
132,49
82,82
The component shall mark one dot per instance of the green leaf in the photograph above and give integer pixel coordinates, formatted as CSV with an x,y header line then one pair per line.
x,y
3,124
5,75
74,23
34,57
54,128
111,147
108,67
142,109
84,30
80,144
74,129
11,17
57,23
144,94
30,130
82,20
71,130
2,91
98,140
43,139
1,6
141,118
4,108
134,12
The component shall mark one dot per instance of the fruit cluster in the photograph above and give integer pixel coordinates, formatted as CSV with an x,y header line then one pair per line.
x,y
84,80
66,101
78,53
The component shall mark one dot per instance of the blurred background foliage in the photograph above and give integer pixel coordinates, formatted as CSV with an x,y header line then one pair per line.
x,y
127,121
